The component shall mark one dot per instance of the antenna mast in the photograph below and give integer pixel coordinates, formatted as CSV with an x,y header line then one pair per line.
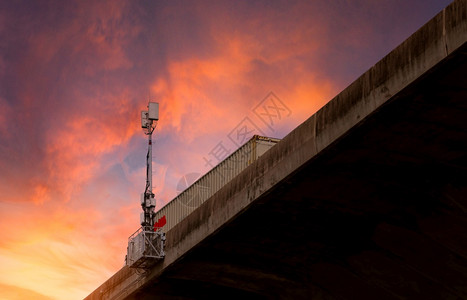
x,y
149,120
146,245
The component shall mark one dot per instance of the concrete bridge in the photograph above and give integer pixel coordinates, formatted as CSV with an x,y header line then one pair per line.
x,y
367,199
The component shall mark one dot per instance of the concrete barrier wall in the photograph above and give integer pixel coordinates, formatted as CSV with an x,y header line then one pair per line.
x,y
201,190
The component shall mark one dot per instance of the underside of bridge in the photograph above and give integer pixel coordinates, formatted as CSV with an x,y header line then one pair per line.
x,y
379,214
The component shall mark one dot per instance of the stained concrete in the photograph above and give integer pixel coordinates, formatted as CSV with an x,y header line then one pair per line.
x,y
367,199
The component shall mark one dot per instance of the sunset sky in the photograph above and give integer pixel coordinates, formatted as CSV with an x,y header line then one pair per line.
x,y
74,76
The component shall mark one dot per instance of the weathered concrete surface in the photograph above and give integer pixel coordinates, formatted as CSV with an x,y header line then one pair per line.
x,y
365,199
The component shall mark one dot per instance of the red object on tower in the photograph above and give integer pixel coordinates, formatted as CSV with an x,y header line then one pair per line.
x,y
160,223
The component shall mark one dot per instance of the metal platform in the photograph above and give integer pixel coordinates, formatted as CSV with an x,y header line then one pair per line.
x,y
145,248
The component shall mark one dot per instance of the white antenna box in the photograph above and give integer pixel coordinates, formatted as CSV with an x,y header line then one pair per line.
x,y
153,111
144,119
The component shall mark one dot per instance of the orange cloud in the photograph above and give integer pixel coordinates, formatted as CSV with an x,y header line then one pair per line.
x,y
58,246
73,150
223,88
12,292
40,193
92,35
198,92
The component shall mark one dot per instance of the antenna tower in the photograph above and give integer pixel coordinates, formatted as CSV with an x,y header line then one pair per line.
x,y
149,120
146,245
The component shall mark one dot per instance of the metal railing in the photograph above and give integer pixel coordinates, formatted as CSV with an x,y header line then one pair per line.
x,y
145,248
207,185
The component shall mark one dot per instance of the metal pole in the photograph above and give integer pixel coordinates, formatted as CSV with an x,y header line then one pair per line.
x,y
149,175
149,196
